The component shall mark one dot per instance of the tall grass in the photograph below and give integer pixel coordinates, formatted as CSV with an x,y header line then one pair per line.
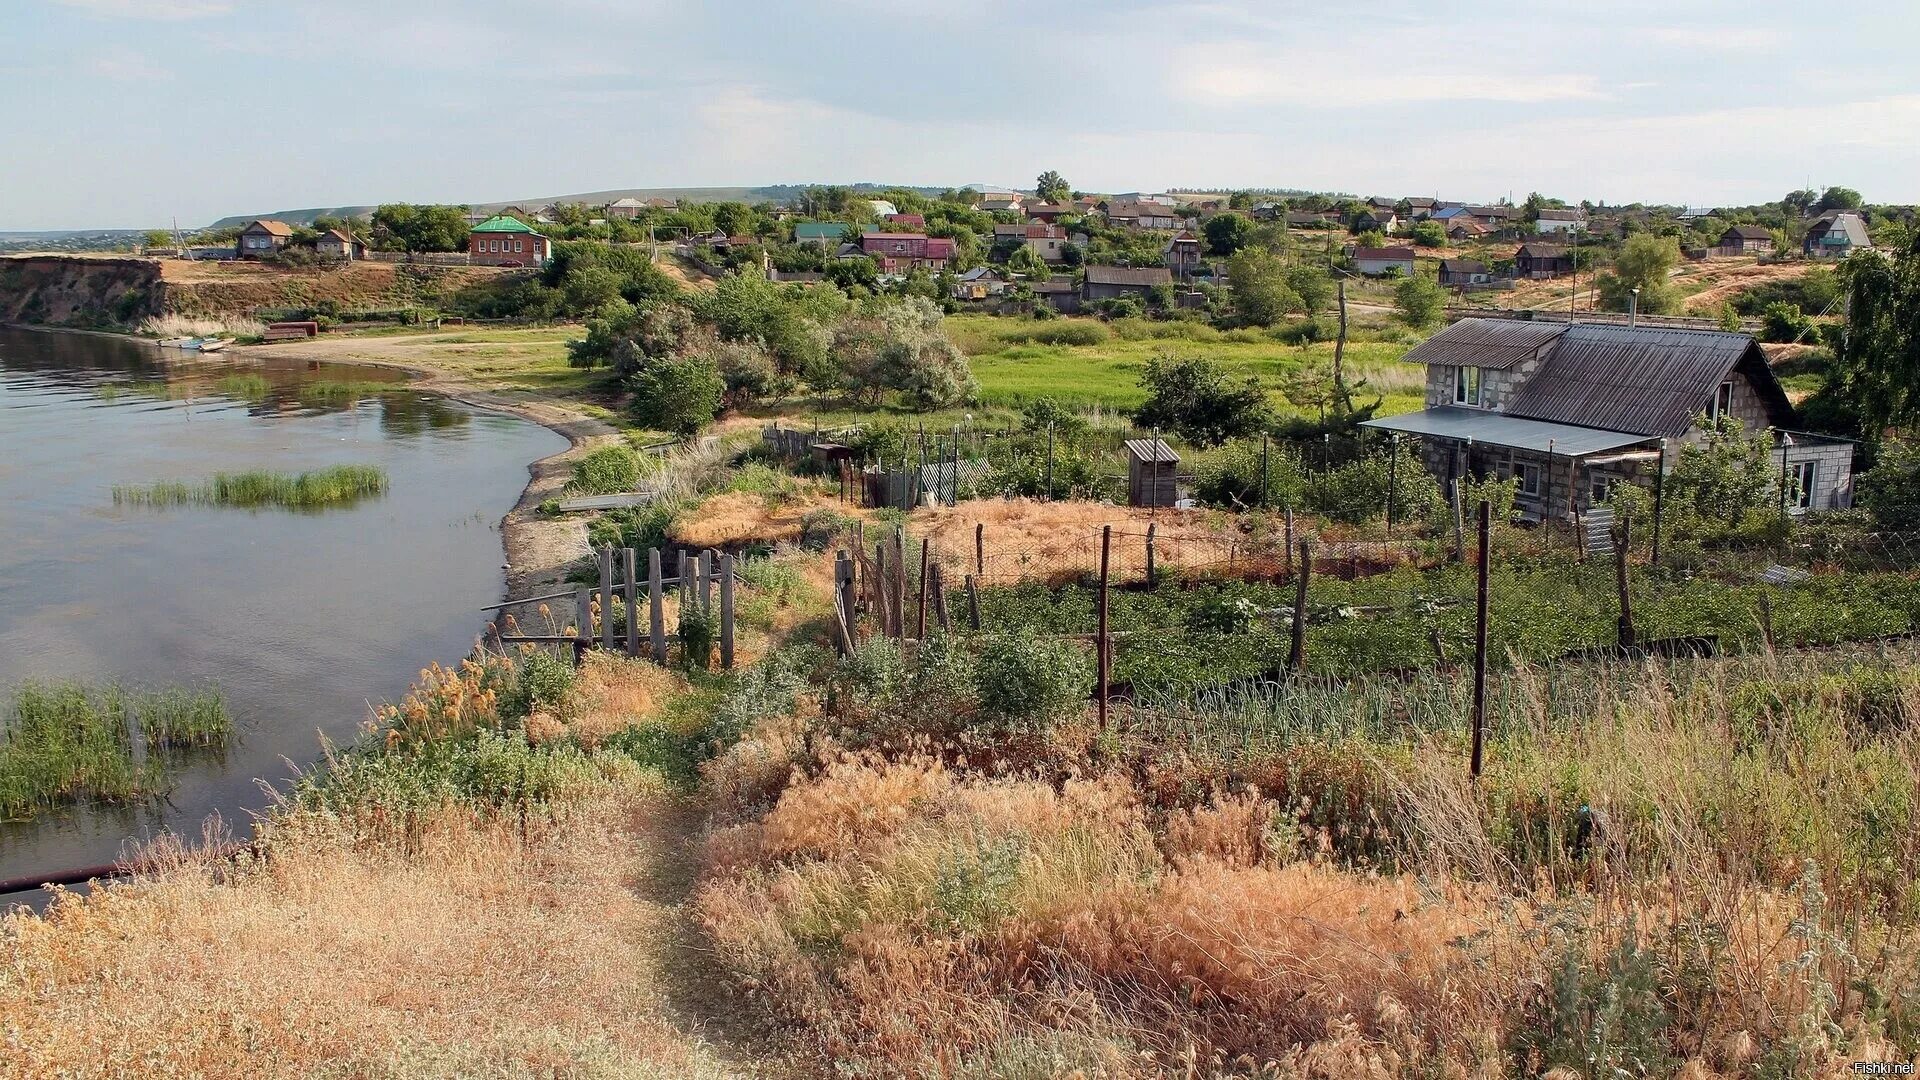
x,y
64,742
342,391
173,325
338,485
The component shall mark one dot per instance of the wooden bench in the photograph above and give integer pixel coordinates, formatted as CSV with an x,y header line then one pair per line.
x,y
284,333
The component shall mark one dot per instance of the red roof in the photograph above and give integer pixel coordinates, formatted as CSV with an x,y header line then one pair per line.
x,y
906,219
940,247
1395,254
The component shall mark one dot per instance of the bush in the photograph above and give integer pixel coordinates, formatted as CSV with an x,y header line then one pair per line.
x,y
1233,477
540,680
1027,681
609,470
1783,321
678,394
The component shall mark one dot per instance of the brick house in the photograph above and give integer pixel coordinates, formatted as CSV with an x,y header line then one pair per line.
x,y
262,238
899,252
1569,411
507,241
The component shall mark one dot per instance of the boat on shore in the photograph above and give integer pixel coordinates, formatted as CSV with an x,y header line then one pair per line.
x,y
212,344
176,342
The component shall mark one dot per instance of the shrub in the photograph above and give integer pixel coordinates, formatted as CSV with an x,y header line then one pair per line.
x,y
1027,681
606,471
540,680
678,394
1234,476
698,632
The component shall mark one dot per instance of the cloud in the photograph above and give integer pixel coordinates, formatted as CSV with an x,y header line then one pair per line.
x,y
160,10
1230,73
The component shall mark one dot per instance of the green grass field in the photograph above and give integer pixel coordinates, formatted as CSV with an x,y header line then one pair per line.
x,y
1013,370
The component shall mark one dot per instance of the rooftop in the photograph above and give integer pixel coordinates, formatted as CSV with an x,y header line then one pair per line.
x,y
1498,429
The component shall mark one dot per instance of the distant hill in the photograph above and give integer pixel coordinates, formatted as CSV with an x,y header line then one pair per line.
x,y
772,193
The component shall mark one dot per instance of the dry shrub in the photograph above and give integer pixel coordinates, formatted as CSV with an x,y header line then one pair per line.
x,y
492,950
737,518
611,694
856,800
1233,830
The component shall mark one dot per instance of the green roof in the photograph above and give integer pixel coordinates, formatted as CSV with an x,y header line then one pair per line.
x,y
503,223
818,229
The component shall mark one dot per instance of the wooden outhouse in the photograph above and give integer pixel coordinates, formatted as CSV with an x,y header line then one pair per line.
x,y
1152,473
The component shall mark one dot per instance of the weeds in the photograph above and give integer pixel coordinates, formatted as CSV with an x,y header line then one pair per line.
x,y
63,743
336,486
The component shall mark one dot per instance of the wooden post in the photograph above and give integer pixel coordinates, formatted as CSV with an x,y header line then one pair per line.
x,y
683,581
1623,541
1265,440
1659,500
973,603
900,588
1485,562
1393,478
606,597
1289,541
628,590
706,580
1297,653
920,619
980,548
583,624
1103,647
656,607
940,599
1459,523
882,584
726,612
1153,578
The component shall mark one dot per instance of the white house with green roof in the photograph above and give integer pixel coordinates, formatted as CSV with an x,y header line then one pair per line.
x,y
507,241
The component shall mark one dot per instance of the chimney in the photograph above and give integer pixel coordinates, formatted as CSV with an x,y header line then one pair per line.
x,y
1633,308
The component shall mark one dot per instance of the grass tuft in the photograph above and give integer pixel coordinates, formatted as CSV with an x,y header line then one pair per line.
x,y
338,485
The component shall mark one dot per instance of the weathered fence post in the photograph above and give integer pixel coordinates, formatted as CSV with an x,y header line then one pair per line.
x,y
1485,561
1153,578
656,607
628,590
920,619
980,548
583,625
973,603
682,580
606,597
1297,652
1265,441
726,612
1103,647
706,580
900,588
1289,541
882,583
1459,523
940,599
1625,540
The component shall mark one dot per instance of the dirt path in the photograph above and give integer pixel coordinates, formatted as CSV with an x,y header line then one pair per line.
x,y
737,1035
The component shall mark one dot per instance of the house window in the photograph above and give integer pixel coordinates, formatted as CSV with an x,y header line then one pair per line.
x,y
1804,473
1599,487
1466,386
1722,401
517,245
1529,475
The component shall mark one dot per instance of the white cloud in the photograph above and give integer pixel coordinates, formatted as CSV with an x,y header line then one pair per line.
x,y
1217,74
162,10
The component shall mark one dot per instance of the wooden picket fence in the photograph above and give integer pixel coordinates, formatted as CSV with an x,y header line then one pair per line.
x,y
696,578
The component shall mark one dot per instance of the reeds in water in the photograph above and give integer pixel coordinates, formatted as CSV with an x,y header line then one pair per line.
x,y
63,743
338,485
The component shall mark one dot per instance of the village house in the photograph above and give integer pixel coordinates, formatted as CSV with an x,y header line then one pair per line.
x,y
823,234
979,283
1836,234
262,238
995,202
1542,261
1120,282
914,221
1376,218
1182,254
626,208
1489,217
1420,208
1379,261
1311,219
1046,241
1560,222
1745,240
1461,229
1569,411
900,252
1059,293
507,241
337,244
1457,272
1144,215
1048,213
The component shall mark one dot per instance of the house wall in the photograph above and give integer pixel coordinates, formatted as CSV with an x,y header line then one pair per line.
x,y
1833,472
1115,292
1380,266
1497,387
496,249
255,244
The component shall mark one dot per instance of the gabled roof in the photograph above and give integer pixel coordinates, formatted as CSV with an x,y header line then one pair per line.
x,y
626,204
270,227
1151,450
1129,275
501,223
1642,380
1487,343
1462,266
1385,254
1466,225
337,234
1551,214
1847,221
1540,251
1749,232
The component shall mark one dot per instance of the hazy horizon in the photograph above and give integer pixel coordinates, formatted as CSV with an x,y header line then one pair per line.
x,y
203,109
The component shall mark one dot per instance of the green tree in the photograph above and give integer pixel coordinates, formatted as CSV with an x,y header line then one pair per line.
x,y
1429,234
1195,398
420,227
1228,233
1420,300
901,346
1723,480
1313,285
1877,371
157,238
1261,295
1838,198
1644,263
678,394
1052,187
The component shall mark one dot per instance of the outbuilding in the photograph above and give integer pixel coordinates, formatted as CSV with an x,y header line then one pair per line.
x,y
1152,473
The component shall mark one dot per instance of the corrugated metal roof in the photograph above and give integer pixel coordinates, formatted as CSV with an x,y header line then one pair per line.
x,y
1487,343
501,223
1512,432
1124,275
1151,450
1649,381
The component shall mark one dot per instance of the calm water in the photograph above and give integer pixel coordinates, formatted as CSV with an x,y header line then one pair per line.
x,y
302,619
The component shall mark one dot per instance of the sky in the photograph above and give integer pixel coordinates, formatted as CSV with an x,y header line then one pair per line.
x,y
135,113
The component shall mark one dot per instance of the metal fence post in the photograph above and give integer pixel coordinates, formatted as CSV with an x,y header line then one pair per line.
x,y
1480,640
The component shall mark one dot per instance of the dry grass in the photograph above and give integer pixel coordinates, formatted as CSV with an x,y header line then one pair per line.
x,y
611,694
491,949
172,326
736,519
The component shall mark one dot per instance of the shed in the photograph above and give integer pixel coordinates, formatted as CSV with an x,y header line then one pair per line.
x,y
1152,473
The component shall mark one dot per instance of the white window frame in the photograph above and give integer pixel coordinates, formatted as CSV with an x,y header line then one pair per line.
x,y
1805,475
1720,409
1460,380
1529,474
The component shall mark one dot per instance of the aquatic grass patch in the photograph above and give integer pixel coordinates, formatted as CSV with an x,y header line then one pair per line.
x,y
63,743
338,485
244,387
342,391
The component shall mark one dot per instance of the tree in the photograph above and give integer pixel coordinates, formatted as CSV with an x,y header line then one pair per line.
x,y
1420,301
1228,233
901,346
1052,187
678,394
1643,263
1838,198
1195,398
1261,294
1313,285
1877,371
1799,202
157,238
418,227
1724,478
1429,234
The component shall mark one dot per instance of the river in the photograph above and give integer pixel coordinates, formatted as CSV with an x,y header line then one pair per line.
x,y
303,620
